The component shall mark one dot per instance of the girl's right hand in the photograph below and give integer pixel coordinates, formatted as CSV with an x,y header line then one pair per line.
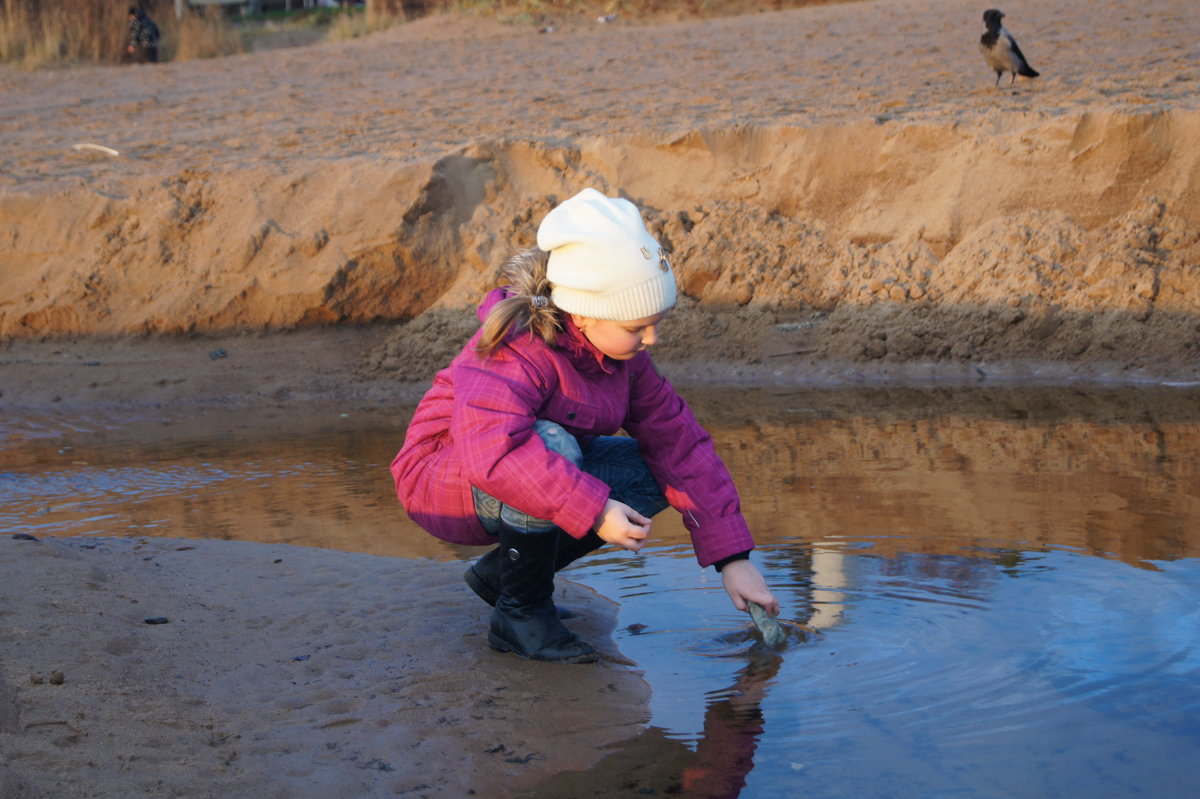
x,y
622,526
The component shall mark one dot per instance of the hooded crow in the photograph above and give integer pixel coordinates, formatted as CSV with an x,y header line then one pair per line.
x,y
1000,49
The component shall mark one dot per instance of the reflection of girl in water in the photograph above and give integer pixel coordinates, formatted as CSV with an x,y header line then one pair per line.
x,y
657,763
514,442
733,726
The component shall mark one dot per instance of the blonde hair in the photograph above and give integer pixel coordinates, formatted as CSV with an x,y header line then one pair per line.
x,y
530,308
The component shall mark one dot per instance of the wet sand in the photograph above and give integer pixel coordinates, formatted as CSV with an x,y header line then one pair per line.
x,y
280,671
937,229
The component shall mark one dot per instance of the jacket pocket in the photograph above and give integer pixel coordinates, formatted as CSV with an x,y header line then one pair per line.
x,y
571,414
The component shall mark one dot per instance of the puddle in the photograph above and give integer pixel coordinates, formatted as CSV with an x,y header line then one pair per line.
x,y
988,593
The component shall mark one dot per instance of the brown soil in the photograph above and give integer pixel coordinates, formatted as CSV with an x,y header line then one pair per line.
x,y
279,672
848,198
845,190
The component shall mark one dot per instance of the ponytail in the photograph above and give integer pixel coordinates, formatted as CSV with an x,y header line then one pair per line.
x,y
530,308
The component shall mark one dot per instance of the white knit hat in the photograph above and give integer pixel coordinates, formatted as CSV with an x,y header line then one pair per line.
x,y
603,262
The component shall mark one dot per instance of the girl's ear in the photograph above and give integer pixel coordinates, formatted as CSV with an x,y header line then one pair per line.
x,y
580,321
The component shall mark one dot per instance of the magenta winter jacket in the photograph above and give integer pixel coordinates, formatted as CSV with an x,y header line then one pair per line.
x,y
475,427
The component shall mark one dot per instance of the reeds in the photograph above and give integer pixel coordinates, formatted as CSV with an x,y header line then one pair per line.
x,y
35,33
46,33
204,33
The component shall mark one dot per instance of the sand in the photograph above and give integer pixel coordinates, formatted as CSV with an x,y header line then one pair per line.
x,y
848,197
847,172
280,672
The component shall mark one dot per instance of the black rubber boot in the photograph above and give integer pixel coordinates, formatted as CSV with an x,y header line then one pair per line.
x,y
525,621
483,576
571,549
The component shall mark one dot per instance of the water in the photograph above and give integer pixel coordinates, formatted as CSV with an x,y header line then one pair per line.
x,y
991,593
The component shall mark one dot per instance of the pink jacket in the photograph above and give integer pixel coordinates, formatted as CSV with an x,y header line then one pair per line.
x,y
475,427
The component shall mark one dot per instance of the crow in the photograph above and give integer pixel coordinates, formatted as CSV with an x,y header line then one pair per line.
x,y
1000,49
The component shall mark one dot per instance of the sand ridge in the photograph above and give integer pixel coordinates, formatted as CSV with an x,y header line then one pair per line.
x,y
849,167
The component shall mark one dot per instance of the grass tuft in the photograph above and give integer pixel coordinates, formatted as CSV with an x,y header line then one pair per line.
x,y
37,33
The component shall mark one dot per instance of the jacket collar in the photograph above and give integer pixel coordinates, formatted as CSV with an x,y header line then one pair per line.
x,y
582,352
571,341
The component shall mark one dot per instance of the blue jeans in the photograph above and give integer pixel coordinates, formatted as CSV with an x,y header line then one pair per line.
x,y
613,459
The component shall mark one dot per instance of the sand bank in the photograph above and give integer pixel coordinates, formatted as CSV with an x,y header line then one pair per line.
x,y
848,173
279,672
848,197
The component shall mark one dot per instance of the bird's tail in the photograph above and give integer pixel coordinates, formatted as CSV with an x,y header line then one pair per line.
x,y
1028,71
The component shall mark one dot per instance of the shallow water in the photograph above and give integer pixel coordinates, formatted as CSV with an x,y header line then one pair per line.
x,y
990,593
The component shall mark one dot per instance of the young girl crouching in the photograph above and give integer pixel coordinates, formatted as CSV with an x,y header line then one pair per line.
x,y
514,443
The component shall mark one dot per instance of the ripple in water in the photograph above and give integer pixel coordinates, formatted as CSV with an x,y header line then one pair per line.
x,y
922,661
743,643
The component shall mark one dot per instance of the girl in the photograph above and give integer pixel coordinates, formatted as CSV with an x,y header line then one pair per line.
x,y
514,442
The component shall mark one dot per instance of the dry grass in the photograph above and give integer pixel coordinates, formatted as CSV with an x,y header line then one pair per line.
x,y
204,34
351,26
38,33
34,33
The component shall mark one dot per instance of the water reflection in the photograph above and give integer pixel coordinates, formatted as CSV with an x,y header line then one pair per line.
x,y
995,593
657,763
998,674
319,480
1110,473
829,578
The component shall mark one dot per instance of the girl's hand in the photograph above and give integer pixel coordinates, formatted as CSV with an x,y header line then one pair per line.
x,y
622,526
744,582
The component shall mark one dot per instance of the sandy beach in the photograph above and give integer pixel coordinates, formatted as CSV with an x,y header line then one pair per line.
x,y
280,671
849,199
847,176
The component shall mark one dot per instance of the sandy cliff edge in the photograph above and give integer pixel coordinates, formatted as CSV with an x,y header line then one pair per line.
x,y
873,214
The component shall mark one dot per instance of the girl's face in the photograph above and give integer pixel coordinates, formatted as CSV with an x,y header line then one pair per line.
x,y
620,340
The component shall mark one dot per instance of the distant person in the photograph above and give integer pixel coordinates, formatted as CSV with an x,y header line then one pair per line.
x,y
1000,49
515,442
143,37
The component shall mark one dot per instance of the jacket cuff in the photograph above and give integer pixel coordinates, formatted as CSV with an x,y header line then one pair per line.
x,y
723,562
577,517
721,538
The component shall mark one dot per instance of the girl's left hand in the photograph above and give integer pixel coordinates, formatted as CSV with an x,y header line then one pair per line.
x,y
743,582
623,526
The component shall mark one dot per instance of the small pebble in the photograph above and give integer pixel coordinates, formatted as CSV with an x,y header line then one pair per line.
x,y
23,537
158,620
772,634
217,353
57,678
